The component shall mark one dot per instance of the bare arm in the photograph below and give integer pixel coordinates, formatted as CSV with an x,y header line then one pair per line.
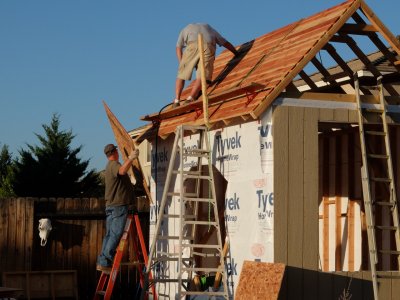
x,y
125,167
179,53
231,48
127,164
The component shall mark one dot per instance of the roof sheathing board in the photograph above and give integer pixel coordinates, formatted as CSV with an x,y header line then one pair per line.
x,y
272,60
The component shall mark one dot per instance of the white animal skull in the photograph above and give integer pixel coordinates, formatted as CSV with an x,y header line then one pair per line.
x,y
44,230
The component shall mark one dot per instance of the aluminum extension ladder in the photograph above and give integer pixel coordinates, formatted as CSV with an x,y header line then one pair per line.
x,y
132,230
373,166
189,249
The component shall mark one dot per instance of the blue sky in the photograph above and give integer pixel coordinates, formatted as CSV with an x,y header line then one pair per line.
x,y
66,56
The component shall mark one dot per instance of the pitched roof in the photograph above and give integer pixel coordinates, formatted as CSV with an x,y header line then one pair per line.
x,y
246,85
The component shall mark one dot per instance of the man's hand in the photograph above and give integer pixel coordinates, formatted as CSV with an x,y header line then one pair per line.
x,y
134,154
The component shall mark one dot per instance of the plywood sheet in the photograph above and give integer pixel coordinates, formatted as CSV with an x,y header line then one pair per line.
x,y
260,280
126,145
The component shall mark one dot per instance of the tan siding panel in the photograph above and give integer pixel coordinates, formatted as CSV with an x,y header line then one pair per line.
x,y
296,201
326,115
310,244
281,158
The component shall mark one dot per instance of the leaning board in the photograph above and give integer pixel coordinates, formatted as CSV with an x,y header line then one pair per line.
x,y
126,145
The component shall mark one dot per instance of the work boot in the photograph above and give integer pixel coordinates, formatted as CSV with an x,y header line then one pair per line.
x,y
188,100
103,269
175,103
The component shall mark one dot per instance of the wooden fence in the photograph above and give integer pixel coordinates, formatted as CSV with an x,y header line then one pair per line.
x,y
73,244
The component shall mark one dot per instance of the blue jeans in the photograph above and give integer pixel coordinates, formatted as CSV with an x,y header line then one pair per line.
x,y
115,223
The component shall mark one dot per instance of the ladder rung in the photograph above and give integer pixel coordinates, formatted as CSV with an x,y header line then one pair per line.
x,y
379,179
186,172
385,203
205,246
164,258
371,132
205,293
166,280
200,223
167,254
102,293
174,237
199,199
178,194
206,270
205,254
381,227
203,155
393,252
175,216
196,150
205,177
375,110
378,156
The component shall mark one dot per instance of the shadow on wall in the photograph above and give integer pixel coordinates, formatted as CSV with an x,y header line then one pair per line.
x,y
300,283
67,234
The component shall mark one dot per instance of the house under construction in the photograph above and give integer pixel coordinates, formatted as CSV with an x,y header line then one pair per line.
x,y
306,168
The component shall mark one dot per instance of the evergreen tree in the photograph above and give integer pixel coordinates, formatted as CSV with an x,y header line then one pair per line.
x,y
53,169
5,173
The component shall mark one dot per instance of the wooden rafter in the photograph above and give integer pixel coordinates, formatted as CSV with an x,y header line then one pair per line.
x,y
381,27
339,60
368,64
378,43
320,67
327,77
308,80
291,87
361,29
305,60
336,76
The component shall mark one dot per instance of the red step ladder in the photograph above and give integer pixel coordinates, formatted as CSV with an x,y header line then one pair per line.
x,y
107,280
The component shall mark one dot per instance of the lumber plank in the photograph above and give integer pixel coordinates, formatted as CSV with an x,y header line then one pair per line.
x,y
29,231
3,231
361,29
20,234
12,227
198,104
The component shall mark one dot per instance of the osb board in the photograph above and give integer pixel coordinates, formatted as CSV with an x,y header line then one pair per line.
x,y
260,281
126,145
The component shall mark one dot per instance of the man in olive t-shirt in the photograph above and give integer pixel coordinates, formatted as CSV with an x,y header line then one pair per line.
x,y
118,195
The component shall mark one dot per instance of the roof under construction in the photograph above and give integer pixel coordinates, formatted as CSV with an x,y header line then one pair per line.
x,y
243,87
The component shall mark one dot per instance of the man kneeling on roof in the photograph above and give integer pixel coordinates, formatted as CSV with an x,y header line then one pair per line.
x,y
189,59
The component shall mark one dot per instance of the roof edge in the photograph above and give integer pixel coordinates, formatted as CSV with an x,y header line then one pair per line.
x,y
303,62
